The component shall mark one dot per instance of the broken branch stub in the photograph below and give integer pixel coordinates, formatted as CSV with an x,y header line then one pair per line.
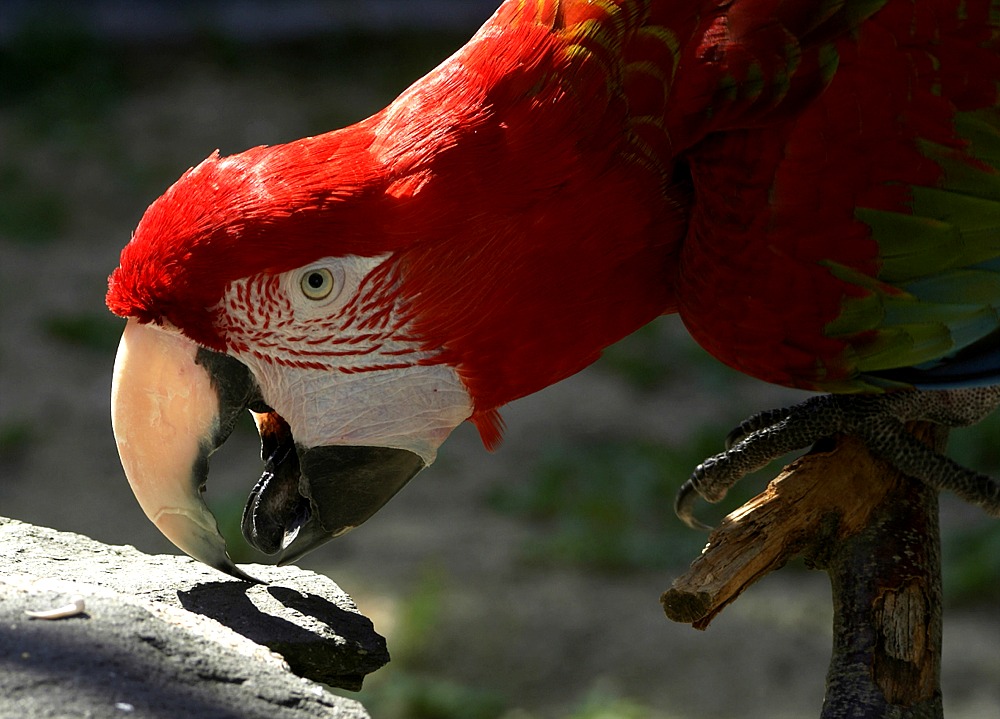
x,y
875,532
818,500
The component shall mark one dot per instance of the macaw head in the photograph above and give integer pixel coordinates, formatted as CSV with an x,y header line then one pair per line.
x,y
258,282
365,291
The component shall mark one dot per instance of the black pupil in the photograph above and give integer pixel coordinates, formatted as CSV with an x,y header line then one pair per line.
x,y
316,280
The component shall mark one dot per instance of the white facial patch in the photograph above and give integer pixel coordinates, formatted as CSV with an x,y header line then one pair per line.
x,y
330,348
413,408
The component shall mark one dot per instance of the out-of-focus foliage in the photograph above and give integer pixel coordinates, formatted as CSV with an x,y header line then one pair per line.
x,y
608,503
91,330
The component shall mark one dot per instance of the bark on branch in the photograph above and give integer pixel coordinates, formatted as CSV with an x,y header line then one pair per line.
x,y
875,532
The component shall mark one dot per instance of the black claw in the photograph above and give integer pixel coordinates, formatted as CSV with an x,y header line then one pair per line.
x,y
684,503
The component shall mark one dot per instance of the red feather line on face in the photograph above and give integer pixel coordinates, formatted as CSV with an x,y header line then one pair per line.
x,y
363,334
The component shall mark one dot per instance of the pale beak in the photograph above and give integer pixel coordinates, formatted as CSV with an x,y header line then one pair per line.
x,y
173,403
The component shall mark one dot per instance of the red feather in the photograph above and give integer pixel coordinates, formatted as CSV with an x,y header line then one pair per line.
x,y
579,168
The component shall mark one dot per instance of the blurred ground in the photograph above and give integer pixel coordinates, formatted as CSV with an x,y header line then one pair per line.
x,y
520,584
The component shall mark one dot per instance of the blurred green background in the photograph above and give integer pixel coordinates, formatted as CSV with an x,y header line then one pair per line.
x,y
520,584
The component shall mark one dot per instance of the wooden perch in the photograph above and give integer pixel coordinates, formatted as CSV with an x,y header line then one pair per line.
x,y
875,532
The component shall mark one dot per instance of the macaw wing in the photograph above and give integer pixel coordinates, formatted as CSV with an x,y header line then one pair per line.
x,y
941,329
851,240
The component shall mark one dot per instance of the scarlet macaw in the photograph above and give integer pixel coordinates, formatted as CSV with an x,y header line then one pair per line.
x,y
814,187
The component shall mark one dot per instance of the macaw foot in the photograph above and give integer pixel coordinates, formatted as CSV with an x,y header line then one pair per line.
x,y
878,419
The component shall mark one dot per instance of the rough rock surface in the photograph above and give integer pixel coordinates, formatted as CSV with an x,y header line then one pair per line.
x,y
163,636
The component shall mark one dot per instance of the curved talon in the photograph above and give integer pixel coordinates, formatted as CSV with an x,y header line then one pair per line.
x,y
878,420
684,503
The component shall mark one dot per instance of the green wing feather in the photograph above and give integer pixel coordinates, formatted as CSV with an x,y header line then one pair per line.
x,y
938,290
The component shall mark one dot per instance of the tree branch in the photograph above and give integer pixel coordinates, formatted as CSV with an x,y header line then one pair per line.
x,y
875,532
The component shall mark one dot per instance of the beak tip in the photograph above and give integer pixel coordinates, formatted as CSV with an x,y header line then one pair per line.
x,y
234,571
172,404
196,533
218,558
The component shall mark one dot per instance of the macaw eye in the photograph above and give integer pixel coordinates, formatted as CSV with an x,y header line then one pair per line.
x,y
317,284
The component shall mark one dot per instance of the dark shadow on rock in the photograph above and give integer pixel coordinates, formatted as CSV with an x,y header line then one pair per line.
x,y
328,644
366,648
47,667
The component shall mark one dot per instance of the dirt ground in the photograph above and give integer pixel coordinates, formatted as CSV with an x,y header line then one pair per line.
x,y
86,144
